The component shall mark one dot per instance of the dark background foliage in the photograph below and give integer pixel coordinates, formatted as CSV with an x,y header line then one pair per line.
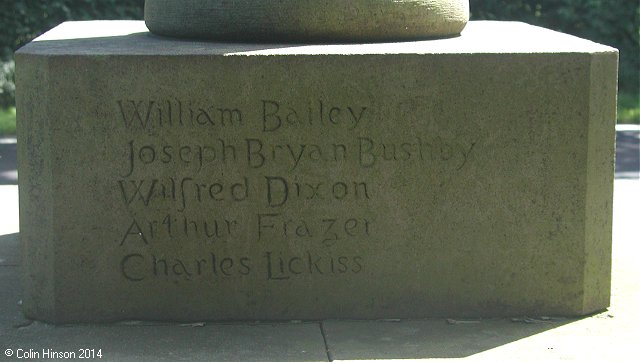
x,y
23,20
612,22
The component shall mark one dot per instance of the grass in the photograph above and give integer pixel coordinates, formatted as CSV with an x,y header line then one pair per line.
x,y
7,122
628,113
628,108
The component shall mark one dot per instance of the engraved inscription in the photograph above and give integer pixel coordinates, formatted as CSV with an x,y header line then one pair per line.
x,y
179,226
374,152
138,267
329,230
281,191
276,115
153,114
365,152
296,182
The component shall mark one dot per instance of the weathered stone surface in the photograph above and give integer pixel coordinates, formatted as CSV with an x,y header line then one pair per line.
x,y
174,180
307,20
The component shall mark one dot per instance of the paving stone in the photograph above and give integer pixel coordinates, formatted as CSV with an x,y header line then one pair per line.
x,y
281,342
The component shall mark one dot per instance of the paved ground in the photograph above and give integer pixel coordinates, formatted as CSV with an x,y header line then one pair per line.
x,y
628,152
609,336
8,173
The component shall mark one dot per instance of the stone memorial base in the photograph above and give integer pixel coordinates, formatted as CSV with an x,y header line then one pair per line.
x,y
163,179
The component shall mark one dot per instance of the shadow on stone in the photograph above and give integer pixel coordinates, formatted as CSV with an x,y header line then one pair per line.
x,y
137,41
10,250
10,289
422,339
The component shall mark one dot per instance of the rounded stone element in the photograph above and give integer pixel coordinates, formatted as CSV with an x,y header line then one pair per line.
x,y
306,20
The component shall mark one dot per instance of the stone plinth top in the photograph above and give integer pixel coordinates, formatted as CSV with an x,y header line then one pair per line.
x,y
306,20
177,180
123,37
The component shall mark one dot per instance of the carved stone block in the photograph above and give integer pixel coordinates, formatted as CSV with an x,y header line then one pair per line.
x,y
307,20
170,180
